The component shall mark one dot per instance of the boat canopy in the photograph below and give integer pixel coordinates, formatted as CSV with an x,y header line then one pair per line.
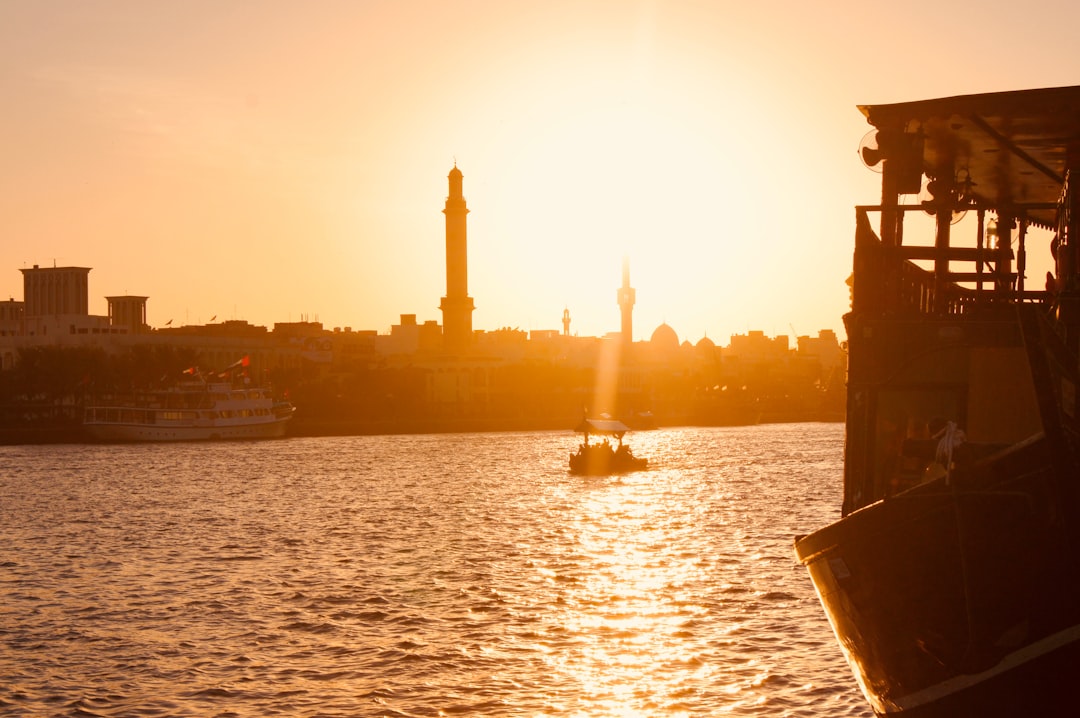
x,y
609,427
1013,146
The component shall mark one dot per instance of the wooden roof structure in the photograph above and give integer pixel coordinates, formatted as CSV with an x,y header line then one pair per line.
x,y
1010,149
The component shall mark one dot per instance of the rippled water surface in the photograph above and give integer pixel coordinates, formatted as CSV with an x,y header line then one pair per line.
x,y
463,574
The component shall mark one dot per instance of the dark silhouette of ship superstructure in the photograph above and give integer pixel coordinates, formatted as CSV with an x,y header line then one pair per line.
x,y
422,375
952,580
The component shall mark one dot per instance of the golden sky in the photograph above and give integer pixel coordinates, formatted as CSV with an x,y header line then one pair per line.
x,y
271,161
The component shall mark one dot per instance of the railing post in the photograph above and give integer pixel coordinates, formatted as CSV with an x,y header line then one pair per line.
x,y
1003,256
979,249
1021,256
943,225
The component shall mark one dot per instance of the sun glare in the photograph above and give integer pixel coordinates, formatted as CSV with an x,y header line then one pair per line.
x,y
630,169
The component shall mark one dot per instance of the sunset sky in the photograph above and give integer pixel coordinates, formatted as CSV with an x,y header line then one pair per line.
x,y
274,161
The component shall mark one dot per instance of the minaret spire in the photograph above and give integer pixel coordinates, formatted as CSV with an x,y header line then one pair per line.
x,y
457,306
627,295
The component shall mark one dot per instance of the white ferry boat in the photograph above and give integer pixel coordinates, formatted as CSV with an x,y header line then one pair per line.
x,y
194,410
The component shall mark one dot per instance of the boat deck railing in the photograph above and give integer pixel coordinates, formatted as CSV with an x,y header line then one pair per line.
x,y
888,278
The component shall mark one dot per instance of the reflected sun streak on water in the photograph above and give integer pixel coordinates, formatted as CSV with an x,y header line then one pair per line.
x,y
632,611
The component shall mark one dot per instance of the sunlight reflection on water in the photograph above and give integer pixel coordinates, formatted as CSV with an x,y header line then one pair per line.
x,y
420,575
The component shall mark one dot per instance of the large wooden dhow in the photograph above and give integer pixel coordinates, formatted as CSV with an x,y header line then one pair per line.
x,y
952,581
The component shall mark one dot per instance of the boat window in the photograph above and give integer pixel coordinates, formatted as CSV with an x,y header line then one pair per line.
x,y
173,415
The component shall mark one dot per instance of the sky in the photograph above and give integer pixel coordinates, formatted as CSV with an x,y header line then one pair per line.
x,y
276,161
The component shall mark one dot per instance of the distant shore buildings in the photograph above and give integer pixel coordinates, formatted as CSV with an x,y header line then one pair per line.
x,y
458,370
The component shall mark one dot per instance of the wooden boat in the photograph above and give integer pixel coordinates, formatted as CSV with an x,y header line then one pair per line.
x,y
601,458
197,408
952,580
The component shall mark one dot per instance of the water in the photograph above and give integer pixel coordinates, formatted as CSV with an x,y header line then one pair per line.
x,y
462,574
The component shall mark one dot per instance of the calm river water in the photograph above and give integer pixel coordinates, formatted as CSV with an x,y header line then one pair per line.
x,y
463,574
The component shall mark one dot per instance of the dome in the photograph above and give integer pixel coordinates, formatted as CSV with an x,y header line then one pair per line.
x,y
664,337
706,343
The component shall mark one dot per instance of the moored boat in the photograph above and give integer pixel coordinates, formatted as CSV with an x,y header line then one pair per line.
x,y
601,458
952,580
195,409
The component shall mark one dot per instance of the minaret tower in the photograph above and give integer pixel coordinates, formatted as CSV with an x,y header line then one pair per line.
x,y
627,295
566,322
457,306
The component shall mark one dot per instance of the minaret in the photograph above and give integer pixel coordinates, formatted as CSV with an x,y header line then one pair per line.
x,y
566,322
627,295
457,306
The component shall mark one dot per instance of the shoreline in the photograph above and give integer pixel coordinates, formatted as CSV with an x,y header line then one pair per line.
x,y
68,434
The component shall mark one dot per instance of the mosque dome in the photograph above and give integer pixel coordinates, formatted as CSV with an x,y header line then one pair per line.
x,y
706,343
664,337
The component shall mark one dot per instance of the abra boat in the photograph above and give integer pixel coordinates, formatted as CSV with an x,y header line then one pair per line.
x,y
194,409
952,580
601,458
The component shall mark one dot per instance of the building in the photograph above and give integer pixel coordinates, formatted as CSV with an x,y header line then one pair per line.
x,y
55,291
55,308
128,312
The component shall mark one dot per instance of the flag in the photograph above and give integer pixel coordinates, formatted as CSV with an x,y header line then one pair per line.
x,y
243,361
213,317
168,322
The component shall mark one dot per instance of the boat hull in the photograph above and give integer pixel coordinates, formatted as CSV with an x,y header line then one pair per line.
x,y
597,462
954,600
601,468
143,432
1032,685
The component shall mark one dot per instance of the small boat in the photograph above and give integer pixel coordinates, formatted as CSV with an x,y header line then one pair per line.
x,y
643,421
195,409
952,580
601,458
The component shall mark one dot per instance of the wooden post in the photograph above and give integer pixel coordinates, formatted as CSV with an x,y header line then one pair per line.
x,y
1021,256
1003,255
943,225
981,229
